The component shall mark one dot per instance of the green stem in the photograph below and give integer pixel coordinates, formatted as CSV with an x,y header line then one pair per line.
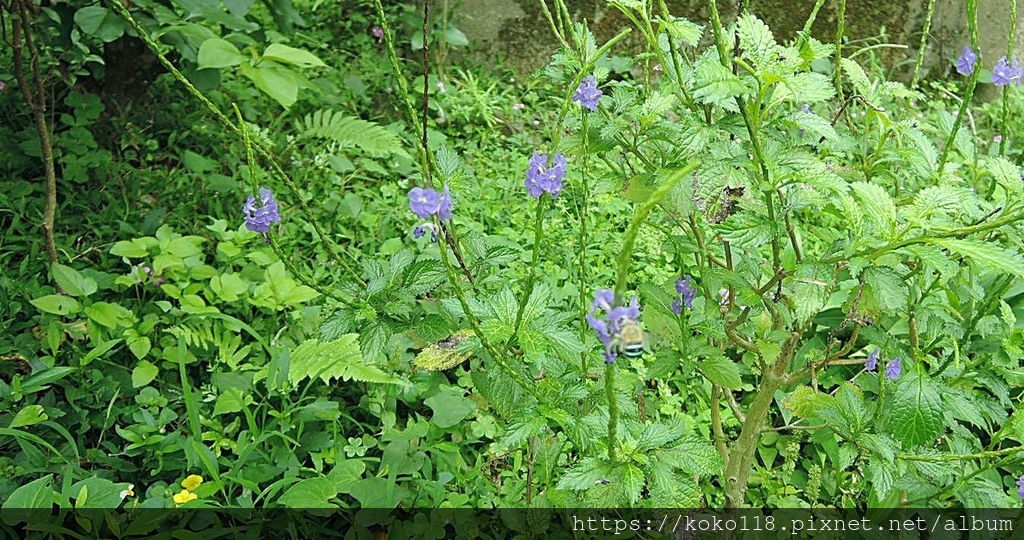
x,y
924,43
538,235
840,30
424,156
613,409
1006,89
475,324
236,129
626,254
583,217
972,25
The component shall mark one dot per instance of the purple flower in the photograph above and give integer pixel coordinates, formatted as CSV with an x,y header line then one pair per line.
x,y
610,327
685,288
259,219
378,33
894,368
1004,74
444,210
965,64
677,306
806,108
872,362
3,86
422,229
587,94
425,202
540,177
1020,486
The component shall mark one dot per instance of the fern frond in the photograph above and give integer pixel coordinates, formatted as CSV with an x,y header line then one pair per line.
x,y
349,131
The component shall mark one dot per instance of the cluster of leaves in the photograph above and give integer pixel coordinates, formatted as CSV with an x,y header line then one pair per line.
x,y
824,223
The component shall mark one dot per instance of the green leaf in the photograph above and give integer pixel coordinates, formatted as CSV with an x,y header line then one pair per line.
x,y
109,315
228,286
71,281
274,80
97,492
721,371
885,287
310,493
57,304
291,55
756,40
878,204
90,18
987,256
144,373
35,494
715,84
348,131
230,401
683,29
450,407
454,37
916,412
136,248
139,345
811,286
339,358
218,53
29,415
98,351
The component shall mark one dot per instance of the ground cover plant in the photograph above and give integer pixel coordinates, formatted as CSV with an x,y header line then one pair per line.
x,y
727,272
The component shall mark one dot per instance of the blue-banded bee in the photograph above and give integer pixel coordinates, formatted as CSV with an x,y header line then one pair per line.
x,y
630,339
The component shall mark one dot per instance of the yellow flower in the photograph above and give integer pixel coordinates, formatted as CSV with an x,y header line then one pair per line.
x,y
192,482
184,497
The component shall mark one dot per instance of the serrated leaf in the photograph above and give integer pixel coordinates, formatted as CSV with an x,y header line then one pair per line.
x,y
721,371
878,204
445,354
988,257
882,476
715,84
694,456
811,287
756,40
916,412
805,402
856,74
885,287
805,88
683,29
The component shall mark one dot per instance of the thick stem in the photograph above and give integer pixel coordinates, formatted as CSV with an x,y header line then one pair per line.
x,y
36,100
741,454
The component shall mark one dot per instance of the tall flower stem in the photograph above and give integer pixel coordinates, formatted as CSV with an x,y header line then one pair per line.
x,y
1006,89
498,357
625,258
972,26
583,216
531,278
924,43
236,129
